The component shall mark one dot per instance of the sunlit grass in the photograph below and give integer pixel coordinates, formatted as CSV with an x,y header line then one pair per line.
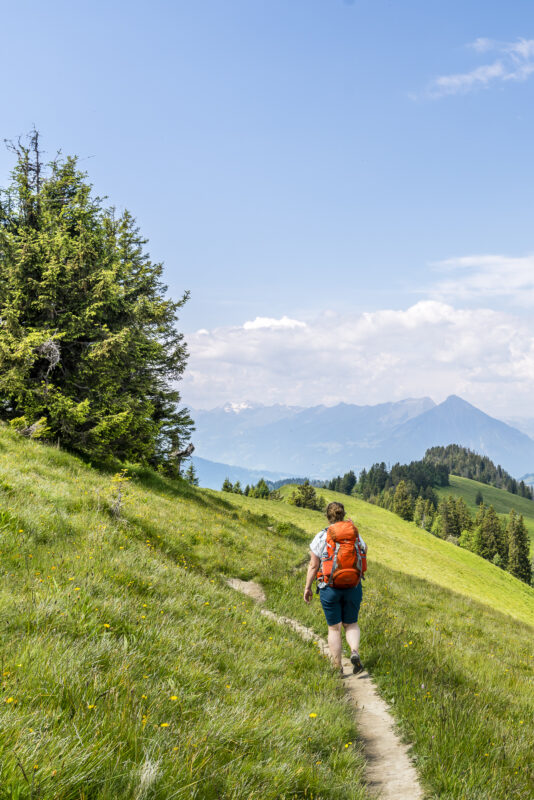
x,y
129,669
457,671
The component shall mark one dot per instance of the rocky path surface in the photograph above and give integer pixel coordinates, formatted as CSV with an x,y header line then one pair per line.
x,y
390,774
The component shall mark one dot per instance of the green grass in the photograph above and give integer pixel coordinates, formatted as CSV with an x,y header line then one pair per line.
x,y
403,547
447,636
130,670
502,501
449,640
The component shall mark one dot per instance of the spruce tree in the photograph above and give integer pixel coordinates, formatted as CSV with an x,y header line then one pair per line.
x,y
305,496
490,540
89,351
191,475
463,515
261,490
227,486
402,501
348,482
518,548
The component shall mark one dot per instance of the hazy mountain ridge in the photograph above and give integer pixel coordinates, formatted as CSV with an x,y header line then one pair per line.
x,y
211,474
323,441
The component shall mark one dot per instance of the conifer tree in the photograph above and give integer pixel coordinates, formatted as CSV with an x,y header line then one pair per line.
x,y
227,486
428,515
464,520
490,541
261,490
449,525
419,511
402,501
237,488
348,482
89,351
518,548
191,475
305,496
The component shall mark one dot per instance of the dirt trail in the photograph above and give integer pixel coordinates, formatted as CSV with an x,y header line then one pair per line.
x,y
390,774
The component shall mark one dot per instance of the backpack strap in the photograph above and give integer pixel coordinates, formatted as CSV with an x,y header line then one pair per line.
x,y
334,565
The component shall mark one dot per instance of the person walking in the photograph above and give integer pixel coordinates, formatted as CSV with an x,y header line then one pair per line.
x,y
338,561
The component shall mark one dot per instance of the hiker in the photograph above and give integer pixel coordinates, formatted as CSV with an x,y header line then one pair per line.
x,y
338,560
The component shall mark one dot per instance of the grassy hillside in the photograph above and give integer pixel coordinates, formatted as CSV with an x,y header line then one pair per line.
x,y
403,547
502,501
131,671
449,640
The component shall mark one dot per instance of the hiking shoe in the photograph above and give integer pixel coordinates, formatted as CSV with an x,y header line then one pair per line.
x,y
356,663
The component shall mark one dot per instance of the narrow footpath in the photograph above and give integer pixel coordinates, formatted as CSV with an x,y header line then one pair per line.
x,y
390,775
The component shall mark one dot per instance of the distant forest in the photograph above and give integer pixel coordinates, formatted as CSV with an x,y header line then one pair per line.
x,y
467,464
408,491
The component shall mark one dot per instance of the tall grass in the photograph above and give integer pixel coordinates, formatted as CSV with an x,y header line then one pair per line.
x,y
457,671
129,669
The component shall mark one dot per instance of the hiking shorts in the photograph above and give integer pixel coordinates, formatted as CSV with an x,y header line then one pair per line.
x,y
341,605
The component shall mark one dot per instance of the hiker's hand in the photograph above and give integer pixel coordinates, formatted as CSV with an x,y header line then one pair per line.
x,y
308,594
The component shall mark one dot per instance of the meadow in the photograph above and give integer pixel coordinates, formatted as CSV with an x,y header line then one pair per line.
x,y
448,639
502,501
129,669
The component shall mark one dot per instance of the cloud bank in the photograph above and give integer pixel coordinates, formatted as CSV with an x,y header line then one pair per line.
x,y
431,348
512,62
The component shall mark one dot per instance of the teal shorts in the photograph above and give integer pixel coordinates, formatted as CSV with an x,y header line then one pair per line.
x,y
341,605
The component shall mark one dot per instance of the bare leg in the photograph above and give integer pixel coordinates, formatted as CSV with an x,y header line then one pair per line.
x,y
352,632
334,643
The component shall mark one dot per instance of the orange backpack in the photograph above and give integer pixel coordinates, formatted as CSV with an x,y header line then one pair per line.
x,y
345,562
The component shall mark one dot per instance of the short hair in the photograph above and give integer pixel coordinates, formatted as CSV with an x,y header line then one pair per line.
x,y
335,512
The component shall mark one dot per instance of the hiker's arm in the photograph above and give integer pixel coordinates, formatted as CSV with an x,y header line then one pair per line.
x,y
313,568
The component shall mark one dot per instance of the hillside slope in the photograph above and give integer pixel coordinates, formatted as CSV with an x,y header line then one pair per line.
x,y
502,501
405,548
449,640
130,670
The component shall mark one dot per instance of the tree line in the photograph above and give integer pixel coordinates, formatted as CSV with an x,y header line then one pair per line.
x,y
304,496
468,464
260,490
408,490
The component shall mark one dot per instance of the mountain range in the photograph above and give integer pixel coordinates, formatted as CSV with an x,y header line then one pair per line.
x,y
323,441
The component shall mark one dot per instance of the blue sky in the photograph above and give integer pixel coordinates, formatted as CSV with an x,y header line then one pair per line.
x,y
327,163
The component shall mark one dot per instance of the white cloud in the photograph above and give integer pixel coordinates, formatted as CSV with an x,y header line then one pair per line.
x,y
482,45
480,277
431,348
269,322
514,62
